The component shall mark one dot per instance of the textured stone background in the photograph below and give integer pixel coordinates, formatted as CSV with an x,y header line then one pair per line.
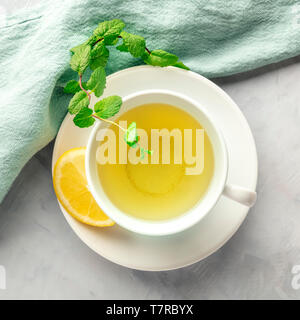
x,y
45,259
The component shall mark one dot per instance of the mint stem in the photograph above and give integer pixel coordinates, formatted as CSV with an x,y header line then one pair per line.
x,y
93,115
80,84
109,121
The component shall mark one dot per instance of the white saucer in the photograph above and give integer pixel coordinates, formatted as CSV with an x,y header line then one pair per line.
x,y
171,252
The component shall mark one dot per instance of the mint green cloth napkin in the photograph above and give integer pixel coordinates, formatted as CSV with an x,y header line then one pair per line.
x,y
214,38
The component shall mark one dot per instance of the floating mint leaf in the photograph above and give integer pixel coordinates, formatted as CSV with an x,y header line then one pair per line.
x,y
160,58
143,151
97,81
131,132
78,102
109,30
131,136
108,107
133,43
83,118
81,58
72,87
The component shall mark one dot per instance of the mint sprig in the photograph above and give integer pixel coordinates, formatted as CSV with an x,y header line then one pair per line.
x,y
93,54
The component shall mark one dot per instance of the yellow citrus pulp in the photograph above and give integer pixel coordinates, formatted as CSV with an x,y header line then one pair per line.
x,y
70,185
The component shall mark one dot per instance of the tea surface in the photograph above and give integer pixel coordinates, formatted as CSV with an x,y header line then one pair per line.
x,y
156,191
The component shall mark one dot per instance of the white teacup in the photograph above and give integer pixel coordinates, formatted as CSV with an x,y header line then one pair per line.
x,y
217,185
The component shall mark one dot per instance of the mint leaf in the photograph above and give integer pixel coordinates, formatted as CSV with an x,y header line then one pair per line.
x,y
78,48
108,107
72,87
98,62
122,47
84,85
145,56
81,58
78,102
100,56
111,41
179,64
131,136
97,81
90,41
83,118
109,30
98,49
134,44
144,151
160,58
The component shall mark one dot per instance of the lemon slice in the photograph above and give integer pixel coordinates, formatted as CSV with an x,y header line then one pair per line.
x,y
70,185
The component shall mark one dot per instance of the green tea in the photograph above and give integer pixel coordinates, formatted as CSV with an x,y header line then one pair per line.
x,y
157,191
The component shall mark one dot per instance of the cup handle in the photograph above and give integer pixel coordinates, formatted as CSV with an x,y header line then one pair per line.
x,y
240,195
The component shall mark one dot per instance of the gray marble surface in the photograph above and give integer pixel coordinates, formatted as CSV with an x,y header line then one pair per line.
x,y
44,259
